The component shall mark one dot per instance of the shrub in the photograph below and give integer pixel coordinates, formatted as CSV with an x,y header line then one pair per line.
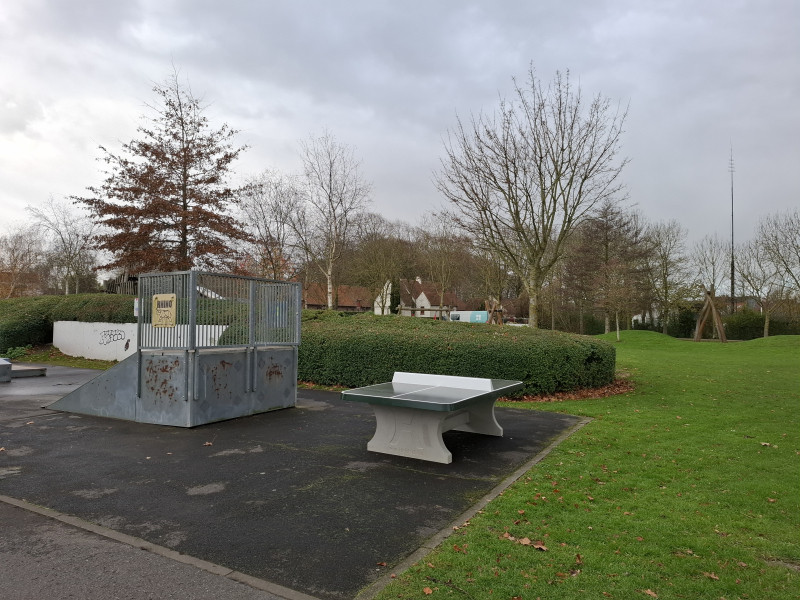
x,y
29,321
682,325
365,349
749,325
15,353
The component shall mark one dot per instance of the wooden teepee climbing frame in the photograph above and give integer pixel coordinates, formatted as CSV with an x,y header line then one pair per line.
x,y
709,308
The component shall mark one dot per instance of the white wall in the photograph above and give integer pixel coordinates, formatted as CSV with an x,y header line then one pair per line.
x,y
115,341
104,341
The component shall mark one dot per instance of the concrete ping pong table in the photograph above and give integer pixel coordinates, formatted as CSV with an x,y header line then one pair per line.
x,y
414,409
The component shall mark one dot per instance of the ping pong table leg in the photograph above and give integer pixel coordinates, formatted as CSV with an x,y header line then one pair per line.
x,y
482,419
414,433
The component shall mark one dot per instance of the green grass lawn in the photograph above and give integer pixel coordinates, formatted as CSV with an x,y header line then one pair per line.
x,y
688,487
52,356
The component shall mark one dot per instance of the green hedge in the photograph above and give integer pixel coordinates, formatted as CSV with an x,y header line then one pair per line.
x,y
26,321
365,349
749,325
361,350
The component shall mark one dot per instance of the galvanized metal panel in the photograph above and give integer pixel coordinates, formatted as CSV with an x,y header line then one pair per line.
x,y
211,347
164,394
111,394
234,311
276,377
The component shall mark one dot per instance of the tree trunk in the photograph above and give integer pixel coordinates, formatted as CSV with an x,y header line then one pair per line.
x,y
533,309
329,281
607,322
766,323
616,316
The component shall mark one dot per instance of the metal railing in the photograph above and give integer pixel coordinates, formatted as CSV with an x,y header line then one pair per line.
x,y
192,309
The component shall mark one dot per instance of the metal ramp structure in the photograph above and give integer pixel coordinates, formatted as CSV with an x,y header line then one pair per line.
x,y
211,347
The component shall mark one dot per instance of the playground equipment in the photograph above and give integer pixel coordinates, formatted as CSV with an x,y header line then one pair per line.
x,y
210,347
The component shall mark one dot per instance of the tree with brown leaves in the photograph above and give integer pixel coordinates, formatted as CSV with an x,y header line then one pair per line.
x,y
165,202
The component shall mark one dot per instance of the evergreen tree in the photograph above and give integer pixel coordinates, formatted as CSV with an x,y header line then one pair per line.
x,y
165,203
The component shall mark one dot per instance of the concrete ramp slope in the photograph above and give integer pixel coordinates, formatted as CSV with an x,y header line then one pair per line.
x,y
111,394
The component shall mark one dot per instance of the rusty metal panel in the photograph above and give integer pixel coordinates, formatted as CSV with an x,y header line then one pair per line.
x,y
275,383
163,392
221,391
236,382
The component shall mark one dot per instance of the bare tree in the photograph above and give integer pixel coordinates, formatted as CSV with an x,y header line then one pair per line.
x,y
165,203
381,254
762,278
711,259
667,268
444,256
581,264
21,252
492,277
267,202
613,249
333,195
69,231
522,179
779,235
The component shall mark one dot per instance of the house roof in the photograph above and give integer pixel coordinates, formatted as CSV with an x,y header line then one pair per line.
x,y
410,289
348,296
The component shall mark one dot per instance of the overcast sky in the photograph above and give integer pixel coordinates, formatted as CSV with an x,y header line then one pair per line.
x,y
389,79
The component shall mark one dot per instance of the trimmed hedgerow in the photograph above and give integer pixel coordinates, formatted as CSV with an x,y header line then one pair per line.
x,y
25,321
362,350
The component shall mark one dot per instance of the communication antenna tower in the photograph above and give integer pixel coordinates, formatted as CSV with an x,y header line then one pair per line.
x,y
733,273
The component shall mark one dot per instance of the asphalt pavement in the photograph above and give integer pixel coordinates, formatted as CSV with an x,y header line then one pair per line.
x,y
283,505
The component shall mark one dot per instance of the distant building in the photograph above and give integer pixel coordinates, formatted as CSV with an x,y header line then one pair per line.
x,y
347,298
419,299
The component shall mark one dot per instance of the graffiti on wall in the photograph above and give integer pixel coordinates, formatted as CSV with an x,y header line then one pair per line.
x,y
111,335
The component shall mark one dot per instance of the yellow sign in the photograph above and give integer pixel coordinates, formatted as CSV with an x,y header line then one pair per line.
x,y
164,309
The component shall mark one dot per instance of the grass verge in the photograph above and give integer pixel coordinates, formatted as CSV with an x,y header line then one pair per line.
x,y
684,488
53,356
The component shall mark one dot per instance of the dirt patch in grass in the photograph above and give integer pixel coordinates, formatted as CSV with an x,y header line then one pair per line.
x,y
618,386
